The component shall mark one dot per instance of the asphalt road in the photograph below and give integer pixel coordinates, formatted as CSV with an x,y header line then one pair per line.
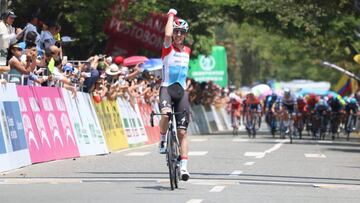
x,y
223,168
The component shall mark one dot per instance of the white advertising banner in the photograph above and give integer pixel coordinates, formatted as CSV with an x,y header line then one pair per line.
x,y
89,136
14,152
133,125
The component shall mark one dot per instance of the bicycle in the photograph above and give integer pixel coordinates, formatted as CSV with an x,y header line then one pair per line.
x,y
251,121
172,147
271,121
286,125
235,122
299,123
335,120
350,125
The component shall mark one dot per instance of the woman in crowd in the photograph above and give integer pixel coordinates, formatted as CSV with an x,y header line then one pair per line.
x,y
18,68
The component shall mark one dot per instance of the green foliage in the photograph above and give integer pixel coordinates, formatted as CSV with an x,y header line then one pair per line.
x,y
281,39
80,19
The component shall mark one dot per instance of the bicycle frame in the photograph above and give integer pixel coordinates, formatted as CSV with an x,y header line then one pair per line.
x,y
350,124
172,148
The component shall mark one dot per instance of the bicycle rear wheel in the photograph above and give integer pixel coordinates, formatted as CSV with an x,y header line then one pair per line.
x,y
349,127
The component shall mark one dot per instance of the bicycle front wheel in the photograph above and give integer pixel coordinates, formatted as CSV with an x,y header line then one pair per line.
x,y
172,156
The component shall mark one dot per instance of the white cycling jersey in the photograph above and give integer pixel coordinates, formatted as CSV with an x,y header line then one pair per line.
x,y
175,65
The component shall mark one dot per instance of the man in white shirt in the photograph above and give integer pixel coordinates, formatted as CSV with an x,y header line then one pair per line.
x,y
8,34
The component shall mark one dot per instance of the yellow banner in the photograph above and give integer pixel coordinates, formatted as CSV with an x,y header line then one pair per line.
x,y
109,118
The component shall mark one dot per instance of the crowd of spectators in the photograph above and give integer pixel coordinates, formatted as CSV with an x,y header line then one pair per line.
x,y
34,56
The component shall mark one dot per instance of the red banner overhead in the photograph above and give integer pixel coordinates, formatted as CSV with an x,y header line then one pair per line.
x,y
129,38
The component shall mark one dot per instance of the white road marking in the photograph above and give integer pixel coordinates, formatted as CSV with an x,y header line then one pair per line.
x,y
195,201
315,156
259,155
197,153
274,148
235,173
137,154
253,154
134,148
250,163
338,186
218,188
240,140
198,140
325,141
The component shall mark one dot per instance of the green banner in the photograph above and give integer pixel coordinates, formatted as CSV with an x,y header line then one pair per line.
x,y
213,67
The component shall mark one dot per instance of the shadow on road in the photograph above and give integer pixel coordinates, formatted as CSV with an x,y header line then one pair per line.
x,y
225,176
344,150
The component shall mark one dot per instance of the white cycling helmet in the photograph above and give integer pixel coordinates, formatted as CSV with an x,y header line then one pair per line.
x,y
180,24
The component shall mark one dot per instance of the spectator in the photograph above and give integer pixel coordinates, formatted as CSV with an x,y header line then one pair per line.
x,y
8,34
31,26
112,80
17,67
60,77
100,90
30,41
47,35
3,69
90,73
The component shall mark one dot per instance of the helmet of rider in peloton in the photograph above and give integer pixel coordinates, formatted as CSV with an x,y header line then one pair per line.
x,y
300,98
250,95
322,102
180,24
287,92
330,96
353,101
232,88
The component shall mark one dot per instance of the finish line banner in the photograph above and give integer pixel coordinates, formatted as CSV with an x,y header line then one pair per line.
x,y
14,152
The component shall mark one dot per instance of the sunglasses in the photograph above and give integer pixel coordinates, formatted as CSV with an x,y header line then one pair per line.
x,y
182,32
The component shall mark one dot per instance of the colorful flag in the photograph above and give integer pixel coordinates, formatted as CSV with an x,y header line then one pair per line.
x,y
346,86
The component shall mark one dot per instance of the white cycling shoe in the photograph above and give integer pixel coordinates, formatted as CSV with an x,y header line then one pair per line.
x,y
162,147
184,175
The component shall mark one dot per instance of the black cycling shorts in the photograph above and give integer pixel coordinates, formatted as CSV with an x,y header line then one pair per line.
x,y
180,99
289,107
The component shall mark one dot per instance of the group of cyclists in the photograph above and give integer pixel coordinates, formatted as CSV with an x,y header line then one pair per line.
x,y
290,115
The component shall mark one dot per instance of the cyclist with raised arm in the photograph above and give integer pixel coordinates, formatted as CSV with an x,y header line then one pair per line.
x,y
175,57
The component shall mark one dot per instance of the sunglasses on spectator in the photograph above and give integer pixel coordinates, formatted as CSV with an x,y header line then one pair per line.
x,y
182,32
